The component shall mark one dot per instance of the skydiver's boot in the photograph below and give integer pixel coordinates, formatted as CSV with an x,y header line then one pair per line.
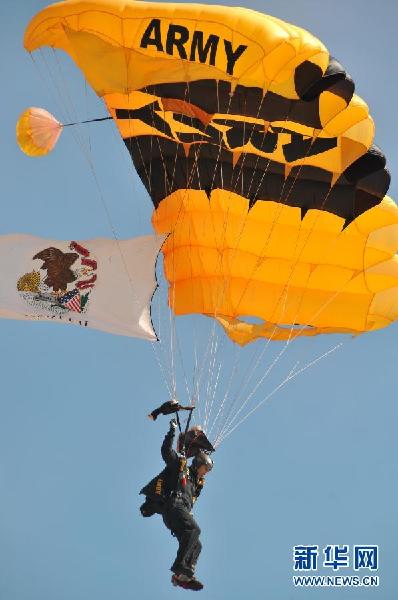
x,y
194,584
188,583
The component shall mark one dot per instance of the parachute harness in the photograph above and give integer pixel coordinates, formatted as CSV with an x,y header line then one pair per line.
x,y
183,472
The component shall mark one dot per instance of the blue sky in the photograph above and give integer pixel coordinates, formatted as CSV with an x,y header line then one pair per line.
x,y
315,465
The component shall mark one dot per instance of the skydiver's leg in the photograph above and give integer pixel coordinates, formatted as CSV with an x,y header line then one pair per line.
x,y
184,562
192,559
187,532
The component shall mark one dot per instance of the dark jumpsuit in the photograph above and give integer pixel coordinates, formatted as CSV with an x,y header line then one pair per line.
x,y
177,512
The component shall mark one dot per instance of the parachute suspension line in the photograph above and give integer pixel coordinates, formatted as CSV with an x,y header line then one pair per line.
x,y
238,396
214,337
244,221
282,352
161,368
70,110
292,375
187,389
61,98
71,113
161,354
64,92
195,372
208,355
245,382
214,346
158,347
86,92
213,393
311,229
214,333
214,324
209,375
49,89
234,369
57,94
259,382
174,342
243,225
159,351
298,255
211,397
195,400
195,165
260,260
86,153
200,370
251,183
173,325
227,390
195,383
216,383
292,327
241,174
212,385
166,366
87,114
85,148
126,157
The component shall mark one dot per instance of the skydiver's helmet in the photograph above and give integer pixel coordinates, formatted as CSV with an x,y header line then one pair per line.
x,y
202,459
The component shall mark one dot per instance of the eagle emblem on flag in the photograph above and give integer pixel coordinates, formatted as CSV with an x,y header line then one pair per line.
x,y
64,280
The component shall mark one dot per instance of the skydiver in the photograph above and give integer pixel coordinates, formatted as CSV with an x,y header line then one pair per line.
x,y
181,485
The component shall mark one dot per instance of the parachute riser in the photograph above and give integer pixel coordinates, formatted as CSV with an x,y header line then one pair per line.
x,y
186,429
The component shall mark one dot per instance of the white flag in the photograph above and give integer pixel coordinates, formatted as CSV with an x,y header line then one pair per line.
x,y
102,283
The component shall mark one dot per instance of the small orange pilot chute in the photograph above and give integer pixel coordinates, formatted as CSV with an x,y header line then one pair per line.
x,y
37,131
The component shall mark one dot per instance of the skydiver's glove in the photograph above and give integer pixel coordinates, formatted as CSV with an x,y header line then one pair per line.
x,y
173,426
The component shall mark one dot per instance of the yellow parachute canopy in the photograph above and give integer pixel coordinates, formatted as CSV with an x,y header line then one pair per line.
x,y
258,157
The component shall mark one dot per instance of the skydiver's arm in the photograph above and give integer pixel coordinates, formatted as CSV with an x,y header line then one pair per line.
x,y
169,455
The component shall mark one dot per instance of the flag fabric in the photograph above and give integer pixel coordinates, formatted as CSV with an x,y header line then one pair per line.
x,y
101,283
